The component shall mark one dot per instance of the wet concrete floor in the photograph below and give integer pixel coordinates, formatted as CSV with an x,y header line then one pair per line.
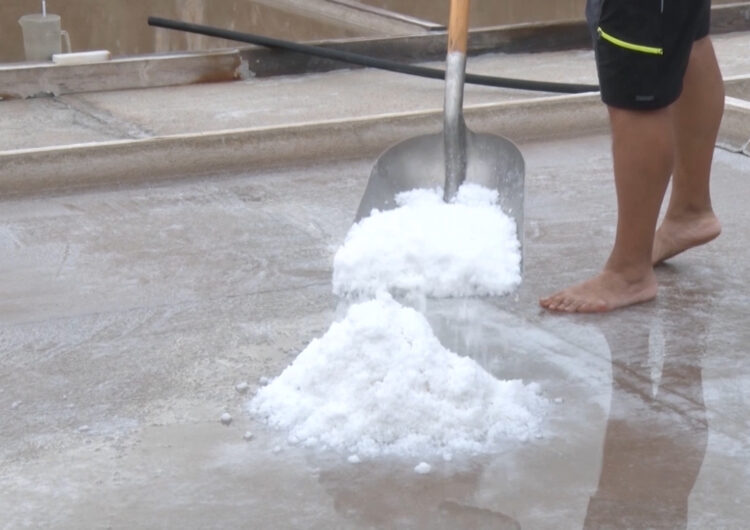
x,y
129,313
127,317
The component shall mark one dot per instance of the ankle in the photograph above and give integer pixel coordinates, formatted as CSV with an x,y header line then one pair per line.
x,y
689,211
630,272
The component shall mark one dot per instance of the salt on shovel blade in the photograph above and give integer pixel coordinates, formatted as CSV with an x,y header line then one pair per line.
x,y
419,162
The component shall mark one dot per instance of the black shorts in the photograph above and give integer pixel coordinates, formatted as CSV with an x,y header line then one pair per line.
x,y
642,48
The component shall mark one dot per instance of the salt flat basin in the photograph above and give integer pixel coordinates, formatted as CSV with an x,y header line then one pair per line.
x,y
129,315
133,303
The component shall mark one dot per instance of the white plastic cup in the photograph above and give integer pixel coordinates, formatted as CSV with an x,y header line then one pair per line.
x,y
42,36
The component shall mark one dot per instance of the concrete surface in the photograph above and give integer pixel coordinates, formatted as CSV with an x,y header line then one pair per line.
x,y
107,138
490,13
129,313
272,102
128,316
291,100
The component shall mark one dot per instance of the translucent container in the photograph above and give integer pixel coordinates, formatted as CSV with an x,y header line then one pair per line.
x,y
42,36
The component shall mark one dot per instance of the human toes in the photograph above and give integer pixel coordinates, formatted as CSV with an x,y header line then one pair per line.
x,y
556,302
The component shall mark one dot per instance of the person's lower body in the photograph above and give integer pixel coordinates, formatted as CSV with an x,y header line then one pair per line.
x,y
665,96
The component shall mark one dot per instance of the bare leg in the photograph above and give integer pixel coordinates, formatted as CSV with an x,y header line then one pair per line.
x,y
690,220
642,148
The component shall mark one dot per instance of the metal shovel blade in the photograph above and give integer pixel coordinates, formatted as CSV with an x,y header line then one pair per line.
x,y
456,155
419,162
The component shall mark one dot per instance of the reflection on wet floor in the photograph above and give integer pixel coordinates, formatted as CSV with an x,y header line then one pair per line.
x,y
378,496
657,431
655,436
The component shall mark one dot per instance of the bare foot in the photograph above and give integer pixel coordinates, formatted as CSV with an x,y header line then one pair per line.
x,y
605,292
677,234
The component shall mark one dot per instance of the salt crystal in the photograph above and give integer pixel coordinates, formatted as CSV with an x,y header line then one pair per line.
x,y
423,468
226,418
354,459
248,436
242,387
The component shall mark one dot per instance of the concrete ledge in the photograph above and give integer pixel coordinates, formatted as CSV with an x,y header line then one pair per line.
x,y
734,134
122,163
25,80
727,18
150,160
738,86
521,38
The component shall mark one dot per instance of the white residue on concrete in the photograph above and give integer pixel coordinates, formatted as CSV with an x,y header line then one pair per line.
x,y
466,248
379,382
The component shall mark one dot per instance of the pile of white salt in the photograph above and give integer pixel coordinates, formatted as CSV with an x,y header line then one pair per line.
x,y
379,382
466,248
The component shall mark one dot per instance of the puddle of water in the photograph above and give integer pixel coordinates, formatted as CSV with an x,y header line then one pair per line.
x,y
121,28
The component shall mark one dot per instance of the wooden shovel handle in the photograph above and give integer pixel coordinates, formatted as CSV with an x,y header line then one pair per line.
x,y
458,26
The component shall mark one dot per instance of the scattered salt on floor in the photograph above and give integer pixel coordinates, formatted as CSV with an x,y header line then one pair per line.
x,y
242,387
423,468
226,418
379,382
466,248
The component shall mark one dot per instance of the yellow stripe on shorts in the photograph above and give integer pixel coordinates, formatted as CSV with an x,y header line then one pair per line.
x,y
629,45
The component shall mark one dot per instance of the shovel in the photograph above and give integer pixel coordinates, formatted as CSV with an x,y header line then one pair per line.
x,y
453,156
